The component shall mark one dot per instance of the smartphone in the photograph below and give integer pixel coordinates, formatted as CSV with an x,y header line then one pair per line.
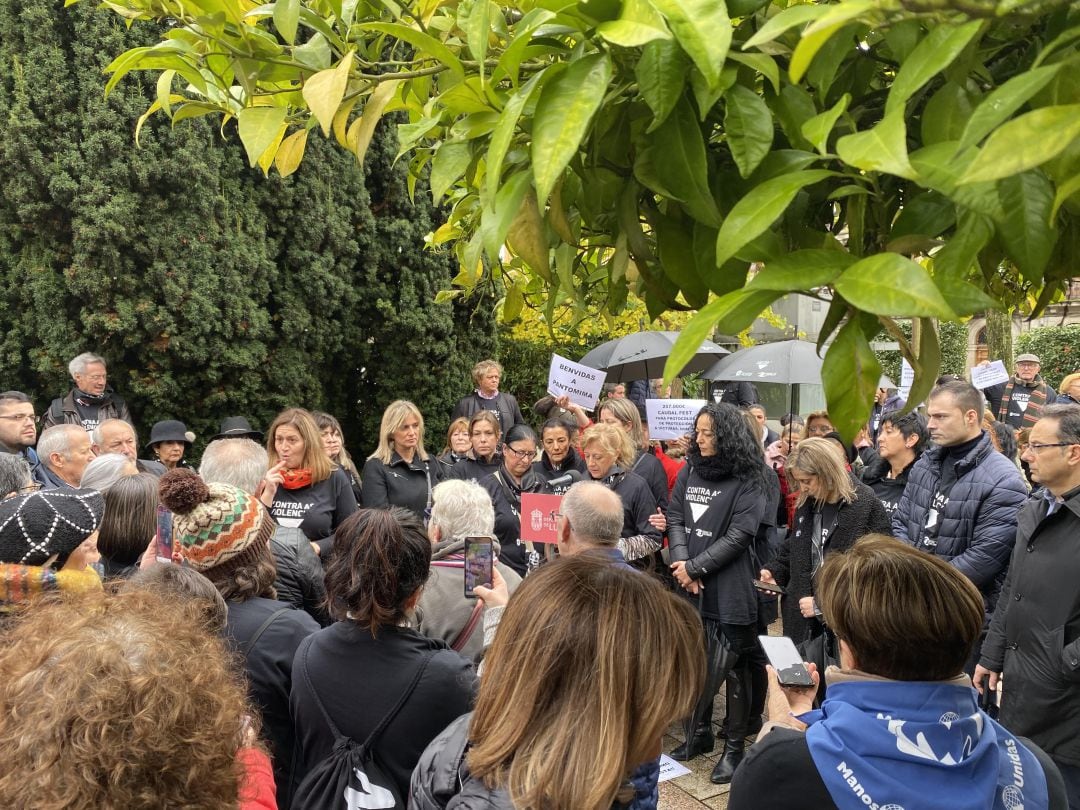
x,y
164,535
479,560
768,586
785,659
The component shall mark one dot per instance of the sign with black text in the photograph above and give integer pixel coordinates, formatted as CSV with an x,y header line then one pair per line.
x,y
671,418
580,383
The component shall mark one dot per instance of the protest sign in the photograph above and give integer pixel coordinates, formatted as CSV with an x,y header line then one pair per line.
x,y
993,374
581,383
670,769
539,514
671,418
907,377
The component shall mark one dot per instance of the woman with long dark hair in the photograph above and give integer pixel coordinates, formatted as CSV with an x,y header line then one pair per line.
x,y
505,487
717,504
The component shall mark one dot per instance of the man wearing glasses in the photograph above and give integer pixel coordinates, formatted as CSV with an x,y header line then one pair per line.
x,y
18,429
1034,639
91,401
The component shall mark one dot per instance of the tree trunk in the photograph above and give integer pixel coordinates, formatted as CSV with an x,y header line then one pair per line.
x,y
999,339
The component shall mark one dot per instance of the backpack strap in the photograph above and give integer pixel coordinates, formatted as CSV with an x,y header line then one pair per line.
x,y
251,642
463,636
56,410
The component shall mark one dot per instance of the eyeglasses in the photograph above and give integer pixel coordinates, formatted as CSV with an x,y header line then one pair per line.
x,y
1036,447
522,454
20,417
95,377
34,487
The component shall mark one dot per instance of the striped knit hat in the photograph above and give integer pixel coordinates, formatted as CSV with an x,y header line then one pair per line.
x,y
216,527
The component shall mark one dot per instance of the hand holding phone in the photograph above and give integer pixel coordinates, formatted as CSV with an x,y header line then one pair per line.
x,y
479,563
768,587
784,656
163,539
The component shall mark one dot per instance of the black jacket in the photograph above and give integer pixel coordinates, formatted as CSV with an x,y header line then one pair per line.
x,y
1034,637
299,582
649,467
792,566
400,483
741,393
638,503
504,406
888,490
268,667
475,469
506,499
716,544
756,785
359,678
548,471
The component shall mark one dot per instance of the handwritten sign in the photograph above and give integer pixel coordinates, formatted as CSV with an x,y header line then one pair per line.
x,y
670,769
539,517
993,374
671,418
581,383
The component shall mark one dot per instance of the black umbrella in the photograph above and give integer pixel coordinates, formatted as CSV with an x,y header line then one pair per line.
x,y
642,355
787,361
719,659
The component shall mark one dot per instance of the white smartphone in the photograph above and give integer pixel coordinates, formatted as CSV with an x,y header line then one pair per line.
x,y
785,659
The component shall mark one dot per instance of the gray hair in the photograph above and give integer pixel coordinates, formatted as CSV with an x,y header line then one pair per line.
x,y
241,463
56,439
1068,421
594,512
96,434
461,509
78,364
14,473
104,471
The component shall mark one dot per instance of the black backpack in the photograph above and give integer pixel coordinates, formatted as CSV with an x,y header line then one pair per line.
x,y
351,777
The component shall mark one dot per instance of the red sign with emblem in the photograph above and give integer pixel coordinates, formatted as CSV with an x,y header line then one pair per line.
x,y
539,517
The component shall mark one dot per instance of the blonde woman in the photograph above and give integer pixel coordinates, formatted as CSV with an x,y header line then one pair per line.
x,y
833,510
624,414
303,488
400,472
565,719
609,455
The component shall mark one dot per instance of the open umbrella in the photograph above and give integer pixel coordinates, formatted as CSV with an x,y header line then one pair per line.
x,y
642,355
787,361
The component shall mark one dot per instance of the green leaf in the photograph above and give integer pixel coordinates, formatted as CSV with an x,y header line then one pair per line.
x,y
259,127
164,90
447,165
762,63
513,304
675,242
324,91
424,43
1003,102
703,29
661,76
1064,191
821,31
959,255
477,27
963,298
850,373
946,114
510,60
1025,229
503,133
927,364
927,214
802,270
566,107
749,128
724,313
817,129
314,54
794,107
672,162
786,19
1025,142
362,130
890,284
286,18
759,208
934,53
706,95
504,208
527,236
880,149
627,34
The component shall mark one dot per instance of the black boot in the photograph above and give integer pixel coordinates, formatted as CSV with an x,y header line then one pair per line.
x,y
725,768
701,742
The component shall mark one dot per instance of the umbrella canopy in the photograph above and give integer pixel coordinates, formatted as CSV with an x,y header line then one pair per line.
x,y
787,361
642,355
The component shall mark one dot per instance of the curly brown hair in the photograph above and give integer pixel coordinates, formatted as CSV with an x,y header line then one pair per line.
x,y
116,701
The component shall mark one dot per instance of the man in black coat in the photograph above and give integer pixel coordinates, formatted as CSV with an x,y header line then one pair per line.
x,y
1034,639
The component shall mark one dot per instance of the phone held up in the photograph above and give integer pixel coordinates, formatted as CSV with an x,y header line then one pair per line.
x,y
784,657
479,561
163,539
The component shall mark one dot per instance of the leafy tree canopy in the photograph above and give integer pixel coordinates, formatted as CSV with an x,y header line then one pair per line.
x,y
895,158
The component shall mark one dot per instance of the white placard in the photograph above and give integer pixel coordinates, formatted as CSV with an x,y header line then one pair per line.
x,y
993,374
907,377
671,418
670,769
581,383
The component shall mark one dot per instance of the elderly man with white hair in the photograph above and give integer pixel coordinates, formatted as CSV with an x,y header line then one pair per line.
x,y
65,451
460,509
90,401
118,436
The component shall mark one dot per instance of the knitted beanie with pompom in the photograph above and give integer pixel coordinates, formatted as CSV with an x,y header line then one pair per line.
x,y
216,528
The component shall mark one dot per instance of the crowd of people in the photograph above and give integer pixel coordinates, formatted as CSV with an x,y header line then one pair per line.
x,y
277,626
